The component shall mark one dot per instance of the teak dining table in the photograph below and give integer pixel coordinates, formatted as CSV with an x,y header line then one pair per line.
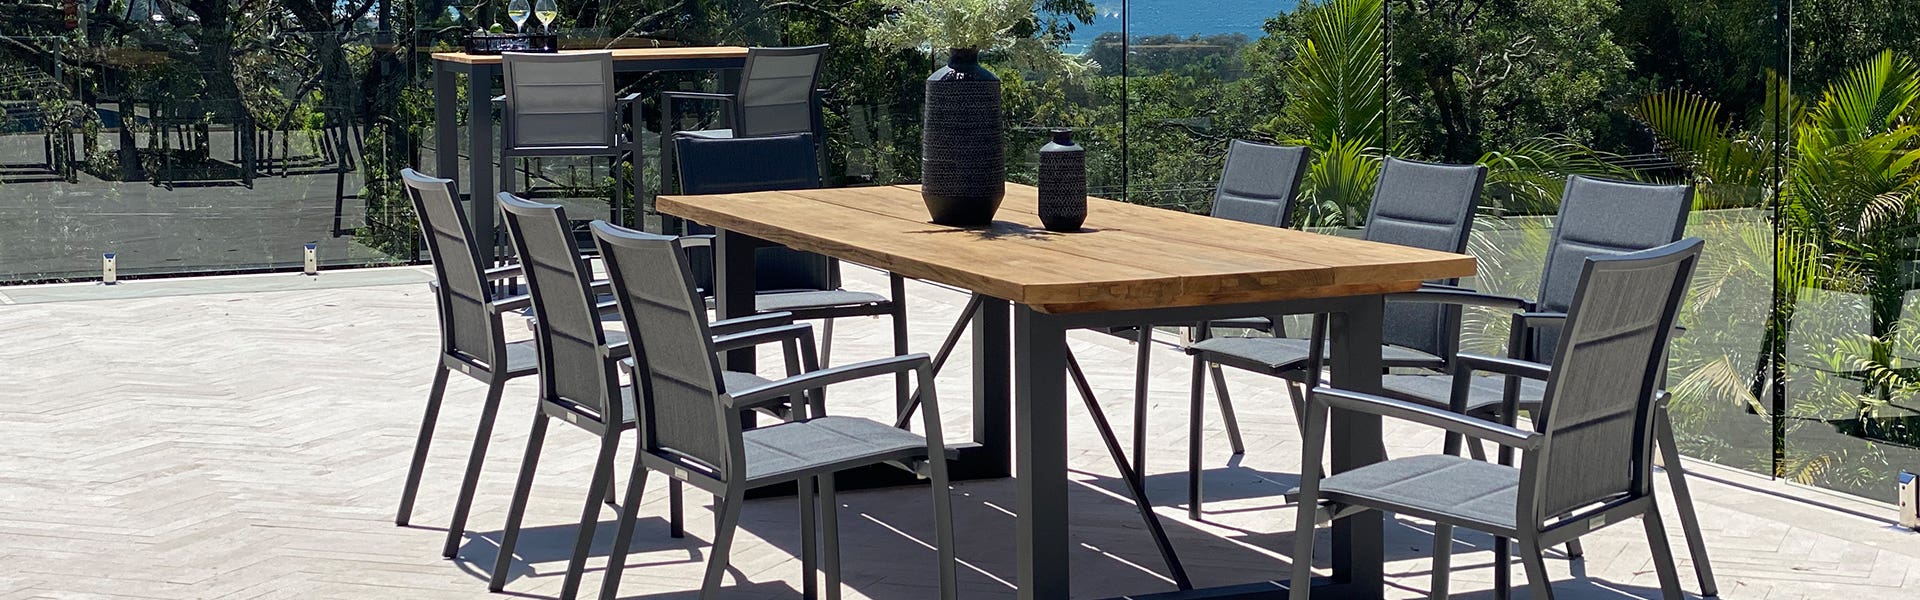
x,y
1131,265
482,70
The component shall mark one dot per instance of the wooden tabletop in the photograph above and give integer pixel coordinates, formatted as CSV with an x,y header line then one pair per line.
x,y
619,54
1129,256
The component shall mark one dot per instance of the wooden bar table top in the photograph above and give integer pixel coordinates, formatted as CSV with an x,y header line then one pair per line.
x,y
619,54
1128,256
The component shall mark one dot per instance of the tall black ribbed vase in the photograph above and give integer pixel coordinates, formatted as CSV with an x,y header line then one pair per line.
x,y
963,166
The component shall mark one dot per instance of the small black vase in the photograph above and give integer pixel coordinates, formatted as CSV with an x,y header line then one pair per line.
x,y
1063,183
963,166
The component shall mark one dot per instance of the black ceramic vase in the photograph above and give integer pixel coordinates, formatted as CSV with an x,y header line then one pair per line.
x,y
963,166
1063,183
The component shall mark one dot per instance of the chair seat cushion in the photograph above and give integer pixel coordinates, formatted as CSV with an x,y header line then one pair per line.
x,y
1452,489
522,357
1285,354
824,445
1437,390
794,301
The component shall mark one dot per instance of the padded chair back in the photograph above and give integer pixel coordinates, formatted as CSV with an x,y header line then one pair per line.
x,y
559,100
776,91
467,327
1259,182
1430,206
574,370
1598,412
1600,217
677,378
728,166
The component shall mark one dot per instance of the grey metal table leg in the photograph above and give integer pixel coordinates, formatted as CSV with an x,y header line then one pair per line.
x,y
993,397
1041,432
1358,541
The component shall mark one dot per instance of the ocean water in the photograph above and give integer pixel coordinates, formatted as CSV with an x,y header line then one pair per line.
x,y
1184,17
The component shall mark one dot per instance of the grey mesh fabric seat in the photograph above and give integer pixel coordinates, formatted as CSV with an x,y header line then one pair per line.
x,y
577,355
472,335
688,430
1417,204
802,283
1588,462
777,96
564,105
1598,217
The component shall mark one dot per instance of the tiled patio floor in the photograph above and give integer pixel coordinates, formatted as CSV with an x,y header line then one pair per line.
x,y
194,439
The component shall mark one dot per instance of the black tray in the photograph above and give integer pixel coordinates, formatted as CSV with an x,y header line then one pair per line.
x,y
495,43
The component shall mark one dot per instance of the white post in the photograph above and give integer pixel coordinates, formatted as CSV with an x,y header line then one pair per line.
x,y
313,261
109,270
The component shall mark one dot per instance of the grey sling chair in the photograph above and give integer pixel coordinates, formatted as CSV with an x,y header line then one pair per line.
x,y
1417,204
1588,461
802,283
1597,217
472,340
565,105
688,433
578,384
777,96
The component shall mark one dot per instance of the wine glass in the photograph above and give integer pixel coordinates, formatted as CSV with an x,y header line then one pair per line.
x,y
518,11
546,12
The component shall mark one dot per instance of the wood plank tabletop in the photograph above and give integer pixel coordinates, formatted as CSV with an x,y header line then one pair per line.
x,y
619,54
1129,256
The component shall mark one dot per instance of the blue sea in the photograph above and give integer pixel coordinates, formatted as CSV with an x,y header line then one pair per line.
x,y
1184,17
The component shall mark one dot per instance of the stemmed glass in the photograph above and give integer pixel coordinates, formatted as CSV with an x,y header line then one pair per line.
x,y
518,11
546,12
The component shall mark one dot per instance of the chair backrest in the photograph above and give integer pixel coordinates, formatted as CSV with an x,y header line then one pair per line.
x,y
1430,206
1600,217
559,100
728,166
467,328
574,370
776,91
1259,182
677,379
1598,413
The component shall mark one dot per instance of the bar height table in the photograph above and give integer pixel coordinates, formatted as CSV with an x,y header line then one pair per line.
x,y
1131,265
483,69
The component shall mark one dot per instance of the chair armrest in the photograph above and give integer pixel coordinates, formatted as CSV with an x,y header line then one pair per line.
x,y
1407,411
745,324
617,350
1457,295
825,377
1503,366
511,303
633,97
704,240
702,96
797,331
503,272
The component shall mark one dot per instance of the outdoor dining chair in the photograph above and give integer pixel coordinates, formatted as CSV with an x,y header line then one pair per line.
x,y
1588,460
688,433
576,356
1597,217
472,335
1417,204
566,105
802,283
777,96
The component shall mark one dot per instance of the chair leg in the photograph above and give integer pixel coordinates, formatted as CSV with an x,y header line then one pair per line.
x,y
943,537
809,542
724,526
482,435
427,422
590,516
623,536
1226,410
613,486
1662,554
1300,584
1575,551
1502,568
1536,562
826,343
1683,500
1143,356
517,510
1196,405
830,534
676,514
1442,559
1299,397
